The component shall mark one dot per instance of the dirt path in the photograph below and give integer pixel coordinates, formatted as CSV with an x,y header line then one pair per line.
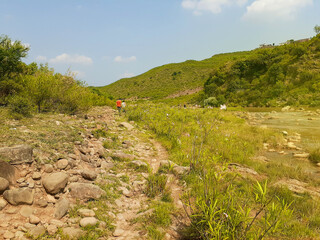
x,y
133,202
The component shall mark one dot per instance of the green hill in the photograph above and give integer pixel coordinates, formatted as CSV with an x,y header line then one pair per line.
x,y
169,79
270,76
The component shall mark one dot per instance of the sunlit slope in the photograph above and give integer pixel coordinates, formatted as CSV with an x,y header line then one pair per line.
x,y
169,79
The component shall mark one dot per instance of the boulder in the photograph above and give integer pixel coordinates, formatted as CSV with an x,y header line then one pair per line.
x,y
61,208
17,154
19,196
9,172
3,203
88,174
4,184
85,191
55,182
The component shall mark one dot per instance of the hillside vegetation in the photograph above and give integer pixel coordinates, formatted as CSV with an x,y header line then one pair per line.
x,y
165,80
274,76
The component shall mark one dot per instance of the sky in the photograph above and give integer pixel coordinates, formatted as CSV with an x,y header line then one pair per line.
x,y
102,41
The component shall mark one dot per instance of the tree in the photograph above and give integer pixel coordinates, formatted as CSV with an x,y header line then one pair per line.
x,y
11,66
317,29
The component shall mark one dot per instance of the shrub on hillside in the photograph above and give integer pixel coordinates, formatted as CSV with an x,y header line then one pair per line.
x,y
21,106
211,101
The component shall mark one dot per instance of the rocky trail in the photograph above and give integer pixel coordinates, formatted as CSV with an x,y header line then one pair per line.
x,y
69,177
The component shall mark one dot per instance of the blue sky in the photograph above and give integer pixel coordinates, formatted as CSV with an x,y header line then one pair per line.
x,y
104,40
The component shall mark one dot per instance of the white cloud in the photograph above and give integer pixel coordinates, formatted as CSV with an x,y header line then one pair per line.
x,y
41,58
275,9
66,58
121,59
127,75
213,6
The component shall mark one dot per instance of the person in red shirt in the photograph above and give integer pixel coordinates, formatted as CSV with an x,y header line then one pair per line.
x,y
119,106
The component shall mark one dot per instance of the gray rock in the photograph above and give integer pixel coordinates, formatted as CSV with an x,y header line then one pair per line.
x,y
122,156
55,182
61,208
8,172
18,154
4,184
88,174
85,191
19,196
37,231
88,221
139,163
126,125
41,202
73,233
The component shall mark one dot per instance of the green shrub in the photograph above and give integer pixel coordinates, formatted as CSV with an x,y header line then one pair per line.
x,y
156,184
211,101
21,106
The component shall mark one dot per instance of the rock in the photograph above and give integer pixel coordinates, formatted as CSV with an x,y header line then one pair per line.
x,y
8,172
287,109
291,145
51,199
88,174
285,133
86,212
57,223
3,203
8,235
73,233
88,221
36,176
85,191
84,158
261,158
107,165
23,173
301,155
37,231
26,211
126,125
167,163
52,229
61,208
41,203
62,164
118,232
180,170
139,163
19,196
122,156
19,235
55,182
4,184
34,219
18,154
125,191
74,179
48,168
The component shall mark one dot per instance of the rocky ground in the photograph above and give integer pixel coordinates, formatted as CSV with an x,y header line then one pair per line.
x,y
71,177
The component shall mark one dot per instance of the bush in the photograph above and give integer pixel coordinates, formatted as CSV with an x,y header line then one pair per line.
x,y
20,106
211,101
315,156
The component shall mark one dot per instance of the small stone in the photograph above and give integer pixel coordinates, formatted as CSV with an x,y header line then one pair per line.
x,y
23,173
4,184
62,164
55,182
36,176
37,231
118,232
48,168
3,203
88,174
73,233
8,235
88,221
86,212
56,222
26,211
62,207
74,179
34,219
19,235
51,199
52,229
41,203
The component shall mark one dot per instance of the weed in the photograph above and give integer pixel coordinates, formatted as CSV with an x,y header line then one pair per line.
x,y
156,184
315,156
